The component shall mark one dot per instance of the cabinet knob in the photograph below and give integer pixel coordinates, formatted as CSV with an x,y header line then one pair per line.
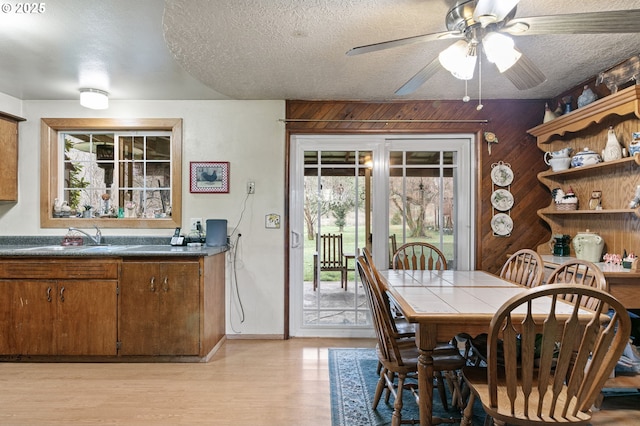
x,y
152,287
62,294
49,294
165,284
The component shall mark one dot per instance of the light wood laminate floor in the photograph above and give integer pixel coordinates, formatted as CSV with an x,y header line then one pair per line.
x,y
248,382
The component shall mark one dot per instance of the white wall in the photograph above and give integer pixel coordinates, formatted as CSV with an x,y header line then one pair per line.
x,y
245,133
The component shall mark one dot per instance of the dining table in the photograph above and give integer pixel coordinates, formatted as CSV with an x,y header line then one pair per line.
x,y
443,304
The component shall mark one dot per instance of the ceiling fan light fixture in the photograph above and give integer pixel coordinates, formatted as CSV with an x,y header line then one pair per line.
x,y
459,59
500,50
94,98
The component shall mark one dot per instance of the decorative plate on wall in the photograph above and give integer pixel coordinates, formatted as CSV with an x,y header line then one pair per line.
x,y
502,224
501,174
501,200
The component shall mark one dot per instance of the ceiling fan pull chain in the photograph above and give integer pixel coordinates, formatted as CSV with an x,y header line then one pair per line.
x,y
466,97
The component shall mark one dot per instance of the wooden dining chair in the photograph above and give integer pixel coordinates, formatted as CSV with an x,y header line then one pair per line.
x,y
579,272
552,368
403,327
330,257
399,360
419,256
524,267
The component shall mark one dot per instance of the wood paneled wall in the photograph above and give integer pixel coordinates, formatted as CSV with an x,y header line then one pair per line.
x,y
508,119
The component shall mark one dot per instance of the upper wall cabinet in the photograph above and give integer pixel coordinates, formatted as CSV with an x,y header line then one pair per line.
x,y
616,219
9,155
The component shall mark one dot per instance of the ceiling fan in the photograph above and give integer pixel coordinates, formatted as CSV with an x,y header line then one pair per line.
x,y
482,25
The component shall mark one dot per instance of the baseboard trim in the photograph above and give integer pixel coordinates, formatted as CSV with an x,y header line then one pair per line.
x,y
255,336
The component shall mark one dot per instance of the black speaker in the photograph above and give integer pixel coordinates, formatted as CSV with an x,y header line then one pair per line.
x,y
216,232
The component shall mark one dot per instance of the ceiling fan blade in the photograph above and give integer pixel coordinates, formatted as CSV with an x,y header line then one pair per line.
x,y
403,41
611,21
420,78
524,74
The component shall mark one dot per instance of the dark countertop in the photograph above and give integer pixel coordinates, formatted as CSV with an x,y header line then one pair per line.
x,y
108,250
115,247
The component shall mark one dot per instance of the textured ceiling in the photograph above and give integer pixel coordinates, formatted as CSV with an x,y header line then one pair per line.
x,y
273,49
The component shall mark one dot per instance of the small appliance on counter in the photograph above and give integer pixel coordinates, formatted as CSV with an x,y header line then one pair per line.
x,y
216,232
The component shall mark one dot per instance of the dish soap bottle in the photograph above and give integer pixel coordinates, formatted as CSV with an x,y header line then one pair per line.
x,y
613,150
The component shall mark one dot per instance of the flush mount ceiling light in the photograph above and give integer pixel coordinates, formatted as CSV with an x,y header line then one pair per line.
x,y
94,98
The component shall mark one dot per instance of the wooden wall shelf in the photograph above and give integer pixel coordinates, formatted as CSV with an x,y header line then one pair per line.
x,y
589,170
621,103
617,180
552,211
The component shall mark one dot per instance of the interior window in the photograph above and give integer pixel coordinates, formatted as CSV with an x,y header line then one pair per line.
x,y
111,173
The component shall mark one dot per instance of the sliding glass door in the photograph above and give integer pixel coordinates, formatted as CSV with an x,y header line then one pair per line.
x,y
350,192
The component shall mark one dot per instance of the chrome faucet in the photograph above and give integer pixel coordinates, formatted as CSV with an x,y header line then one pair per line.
x,y
97,239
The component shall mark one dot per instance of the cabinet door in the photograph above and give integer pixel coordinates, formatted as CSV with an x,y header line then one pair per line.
x,y
9,154
179,319
138,307
27,317
86,317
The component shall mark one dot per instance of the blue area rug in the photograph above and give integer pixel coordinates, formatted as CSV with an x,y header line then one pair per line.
x,y
353,379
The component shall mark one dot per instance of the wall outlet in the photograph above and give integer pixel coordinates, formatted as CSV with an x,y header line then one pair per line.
x,y
193,223
251,187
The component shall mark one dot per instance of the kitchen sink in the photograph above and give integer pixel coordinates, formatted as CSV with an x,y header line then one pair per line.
x,y
104,248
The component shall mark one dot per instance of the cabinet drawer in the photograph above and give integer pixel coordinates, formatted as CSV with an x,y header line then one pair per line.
x,y
74,268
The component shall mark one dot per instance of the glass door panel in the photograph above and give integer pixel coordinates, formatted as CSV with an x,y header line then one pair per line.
x,y
335,225
421,199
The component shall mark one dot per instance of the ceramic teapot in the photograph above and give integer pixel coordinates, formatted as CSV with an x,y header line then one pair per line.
x,y
588,246
586,157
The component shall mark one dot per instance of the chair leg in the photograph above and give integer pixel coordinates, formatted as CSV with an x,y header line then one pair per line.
x,y
441,390
467,417
396,419
379,387
453,380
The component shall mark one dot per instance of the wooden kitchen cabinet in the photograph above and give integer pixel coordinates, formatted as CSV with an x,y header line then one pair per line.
x,y
53,307
160,307
27,317
112,308
9,155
